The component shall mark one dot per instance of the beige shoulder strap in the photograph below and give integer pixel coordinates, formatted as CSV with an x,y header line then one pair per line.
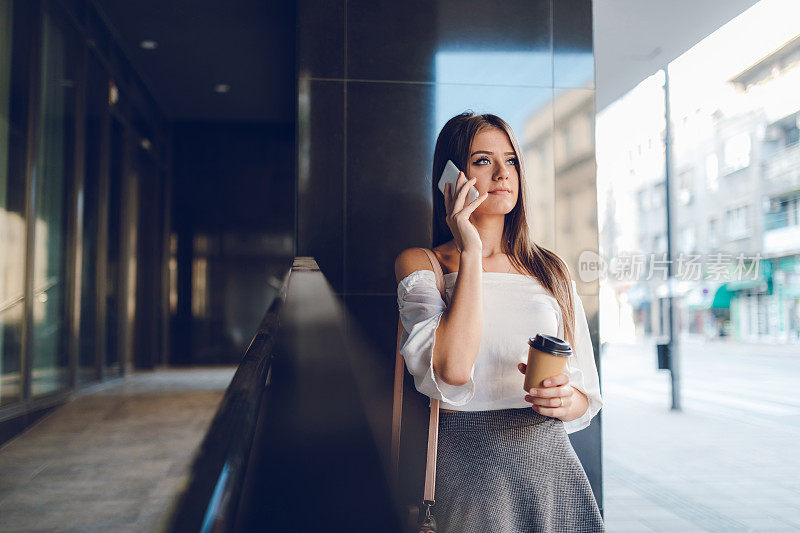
x,y
433,425
397,408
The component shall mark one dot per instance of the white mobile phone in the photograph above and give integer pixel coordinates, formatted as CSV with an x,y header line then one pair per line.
x,y
450,175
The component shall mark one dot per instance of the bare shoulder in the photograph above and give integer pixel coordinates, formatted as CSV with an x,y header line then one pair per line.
x,y
410,260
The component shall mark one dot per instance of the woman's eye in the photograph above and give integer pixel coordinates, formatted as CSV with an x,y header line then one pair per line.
x,y
512,159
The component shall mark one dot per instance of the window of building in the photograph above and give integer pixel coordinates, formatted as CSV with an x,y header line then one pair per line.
x,y
793,211
55,162
12,222
737,222
783,212
737,152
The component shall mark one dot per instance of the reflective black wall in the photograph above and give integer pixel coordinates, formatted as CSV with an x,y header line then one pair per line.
x,y
376,82
233,219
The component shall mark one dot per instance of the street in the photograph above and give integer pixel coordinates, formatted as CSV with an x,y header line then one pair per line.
x,y
727,462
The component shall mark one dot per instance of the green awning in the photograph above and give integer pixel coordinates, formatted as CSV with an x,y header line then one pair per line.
x,y
722,298
742,284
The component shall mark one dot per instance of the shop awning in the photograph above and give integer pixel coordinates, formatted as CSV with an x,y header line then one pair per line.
x,y
739,285
722,297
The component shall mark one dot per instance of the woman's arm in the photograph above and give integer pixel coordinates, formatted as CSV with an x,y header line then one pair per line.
x,y
463,323
458,334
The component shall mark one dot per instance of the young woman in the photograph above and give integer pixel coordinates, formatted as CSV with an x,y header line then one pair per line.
x,y
504,460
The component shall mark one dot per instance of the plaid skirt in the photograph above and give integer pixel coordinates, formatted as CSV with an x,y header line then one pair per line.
x,y
510,471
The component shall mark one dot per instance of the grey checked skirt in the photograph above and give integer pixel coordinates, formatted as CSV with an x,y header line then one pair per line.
x,y
510,471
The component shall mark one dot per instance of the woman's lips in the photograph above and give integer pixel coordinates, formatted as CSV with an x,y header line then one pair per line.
x,y
500,192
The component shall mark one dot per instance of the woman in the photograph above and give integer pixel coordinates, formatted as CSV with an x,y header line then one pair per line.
x,y
504,461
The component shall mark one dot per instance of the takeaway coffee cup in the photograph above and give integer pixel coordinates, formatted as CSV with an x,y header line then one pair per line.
x,y
547,357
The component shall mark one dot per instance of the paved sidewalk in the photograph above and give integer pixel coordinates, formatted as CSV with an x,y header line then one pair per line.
x,y
112,460
728,462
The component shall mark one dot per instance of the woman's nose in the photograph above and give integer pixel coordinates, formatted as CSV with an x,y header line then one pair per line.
x,y
502,174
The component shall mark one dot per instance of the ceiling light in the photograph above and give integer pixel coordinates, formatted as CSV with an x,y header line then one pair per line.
x,y
222,88
148,44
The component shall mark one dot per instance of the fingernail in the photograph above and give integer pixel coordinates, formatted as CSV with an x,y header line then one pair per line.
x,y
533,392
547,382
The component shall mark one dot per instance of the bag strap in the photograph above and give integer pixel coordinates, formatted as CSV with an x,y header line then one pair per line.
x,y
397,408
433,425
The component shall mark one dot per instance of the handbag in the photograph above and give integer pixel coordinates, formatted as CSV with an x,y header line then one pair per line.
x,y
420,516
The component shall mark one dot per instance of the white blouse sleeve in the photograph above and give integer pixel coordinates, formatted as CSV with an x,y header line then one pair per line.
x,y
581,367
421,308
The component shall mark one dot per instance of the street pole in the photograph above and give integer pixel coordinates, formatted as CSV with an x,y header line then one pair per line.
x,y
672,343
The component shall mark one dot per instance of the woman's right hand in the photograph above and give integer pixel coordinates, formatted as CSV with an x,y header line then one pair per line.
x,y
464,233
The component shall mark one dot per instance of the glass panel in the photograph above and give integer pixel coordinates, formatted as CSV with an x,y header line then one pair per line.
x,y
12,225
145,246
112,267
128,260
96,98
55,164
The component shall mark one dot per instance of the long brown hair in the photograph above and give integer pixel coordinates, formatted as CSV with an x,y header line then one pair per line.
x,y
453,143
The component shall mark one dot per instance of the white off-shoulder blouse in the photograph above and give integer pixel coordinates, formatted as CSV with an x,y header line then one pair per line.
x,y
515,308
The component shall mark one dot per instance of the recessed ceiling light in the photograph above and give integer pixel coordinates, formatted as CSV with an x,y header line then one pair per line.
x,y
148,44
222,88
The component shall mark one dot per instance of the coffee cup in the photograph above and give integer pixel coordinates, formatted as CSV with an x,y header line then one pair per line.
x,y
547,357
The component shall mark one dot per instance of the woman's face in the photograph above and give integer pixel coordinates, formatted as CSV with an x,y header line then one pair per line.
x,y
493,162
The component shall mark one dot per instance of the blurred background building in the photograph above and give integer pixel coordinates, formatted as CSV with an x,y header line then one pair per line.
x,y
735,191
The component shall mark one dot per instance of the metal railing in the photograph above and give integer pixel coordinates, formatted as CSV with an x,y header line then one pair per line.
x,y
294,444
212,494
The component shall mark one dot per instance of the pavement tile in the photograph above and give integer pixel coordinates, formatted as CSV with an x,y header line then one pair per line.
x,y
628,526
112,461
712,465
769,524
669,525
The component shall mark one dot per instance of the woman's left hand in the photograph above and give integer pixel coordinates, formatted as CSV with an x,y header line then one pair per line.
x,y
555,399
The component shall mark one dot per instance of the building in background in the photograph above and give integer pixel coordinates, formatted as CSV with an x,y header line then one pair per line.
x,y
735,186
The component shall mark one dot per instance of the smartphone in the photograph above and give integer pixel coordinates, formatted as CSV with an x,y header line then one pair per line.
x,y
450,175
